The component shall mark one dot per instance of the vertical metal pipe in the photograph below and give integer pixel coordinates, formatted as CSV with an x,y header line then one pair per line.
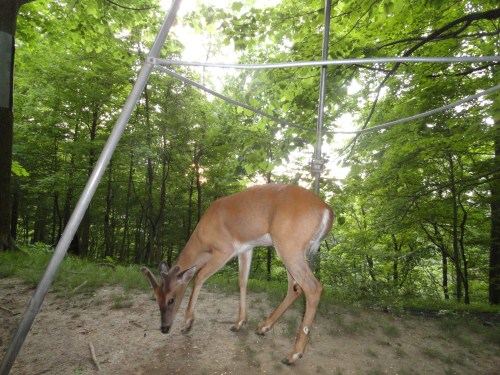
x,y
87,194
317,162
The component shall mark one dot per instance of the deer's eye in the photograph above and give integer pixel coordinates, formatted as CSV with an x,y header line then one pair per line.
x,y
170,301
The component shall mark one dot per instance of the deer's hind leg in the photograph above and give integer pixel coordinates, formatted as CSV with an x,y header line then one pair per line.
x,y
312,288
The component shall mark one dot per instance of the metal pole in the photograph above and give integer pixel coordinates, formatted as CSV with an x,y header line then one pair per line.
x,y
87,194
317,161
298,64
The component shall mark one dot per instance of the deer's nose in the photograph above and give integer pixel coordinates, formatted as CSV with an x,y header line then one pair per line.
x,y
165,329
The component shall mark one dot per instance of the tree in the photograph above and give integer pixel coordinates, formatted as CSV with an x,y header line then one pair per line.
x,y
8,18
494,263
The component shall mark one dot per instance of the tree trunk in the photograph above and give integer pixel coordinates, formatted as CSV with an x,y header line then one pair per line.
x,y
150,181
124,247
197,169
190,209
8,11
454,229
270,251
395,265
165,169
494,266
108,230
74,247
84,233
39,224
465,273
444,262
15,210
8,16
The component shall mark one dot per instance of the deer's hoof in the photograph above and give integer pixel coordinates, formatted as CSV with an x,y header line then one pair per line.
x,y
289,362
262,331
236,327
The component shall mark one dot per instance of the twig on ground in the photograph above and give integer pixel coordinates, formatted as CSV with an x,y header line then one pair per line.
x,y
94,358
79,286
9,311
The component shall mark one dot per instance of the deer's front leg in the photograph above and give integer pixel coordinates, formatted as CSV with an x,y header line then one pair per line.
x,y
244,261
213,265
189,315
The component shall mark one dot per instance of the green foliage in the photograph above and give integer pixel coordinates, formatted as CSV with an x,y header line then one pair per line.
x,y
412,215
75,275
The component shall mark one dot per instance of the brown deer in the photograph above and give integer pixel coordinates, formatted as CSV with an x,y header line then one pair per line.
x,y
289,217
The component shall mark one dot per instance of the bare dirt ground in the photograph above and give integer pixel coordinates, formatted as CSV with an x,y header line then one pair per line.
x,y
123,328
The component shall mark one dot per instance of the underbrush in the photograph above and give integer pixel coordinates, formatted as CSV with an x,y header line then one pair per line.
x,y
81,276
74,276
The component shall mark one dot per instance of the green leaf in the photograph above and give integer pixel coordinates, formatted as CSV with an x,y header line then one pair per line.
x,y
18,170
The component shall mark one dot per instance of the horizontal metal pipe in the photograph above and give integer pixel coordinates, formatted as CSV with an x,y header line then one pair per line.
x,y
298,64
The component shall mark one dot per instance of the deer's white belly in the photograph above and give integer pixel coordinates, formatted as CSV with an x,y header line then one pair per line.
x,y
240,248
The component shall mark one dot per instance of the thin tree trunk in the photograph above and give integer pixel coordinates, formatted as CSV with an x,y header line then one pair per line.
x,y
197,169
465,273
494,263
15,210
150,222
190,209
124,250
9,11
444,262
108,236
397,251
456,250
165,169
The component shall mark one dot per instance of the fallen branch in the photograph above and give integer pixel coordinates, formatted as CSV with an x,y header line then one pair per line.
x,y
94,358
79,286
112,266
9,311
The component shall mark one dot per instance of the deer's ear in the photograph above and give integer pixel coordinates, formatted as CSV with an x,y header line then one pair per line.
x,y
150,277
187,275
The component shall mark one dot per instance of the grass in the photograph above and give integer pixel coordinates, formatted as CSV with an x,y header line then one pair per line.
x,y
347,324
84,277
391,331
249,354
75,275
450,359
121,301
291,325
399,352
371,353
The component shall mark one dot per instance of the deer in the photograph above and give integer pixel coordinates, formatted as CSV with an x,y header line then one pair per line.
x,y
291,218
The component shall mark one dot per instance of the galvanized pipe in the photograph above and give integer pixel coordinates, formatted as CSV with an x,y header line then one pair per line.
x,y
86,196
317,162
299,64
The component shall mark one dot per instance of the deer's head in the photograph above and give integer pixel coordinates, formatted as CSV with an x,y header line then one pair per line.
x,y
167,292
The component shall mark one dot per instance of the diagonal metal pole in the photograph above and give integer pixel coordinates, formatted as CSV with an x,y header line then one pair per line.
x,y
87,194
317,161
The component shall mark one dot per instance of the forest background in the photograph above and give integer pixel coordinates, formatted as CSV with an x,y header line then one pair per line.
x,y
418,214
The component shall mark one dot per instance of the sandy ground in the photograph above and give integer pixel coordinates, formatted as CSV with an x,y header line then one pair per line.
x,y
126,339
